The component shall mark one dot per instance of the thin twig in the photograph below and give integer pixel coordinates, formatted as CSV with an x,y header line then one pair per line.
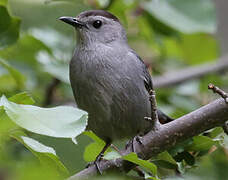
x,y
224,95
218,91
183,75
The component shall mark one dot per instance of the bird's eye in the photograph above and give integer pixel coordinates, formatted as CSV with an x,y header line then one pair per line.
x,y
97,24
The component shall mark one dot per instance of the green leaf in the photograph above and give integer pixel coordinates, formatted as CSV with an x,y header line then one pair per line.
x,y
18,77
93,149
189,158
215,132
61,121
165,160
180,147
132,157
25,51
112,155
119,8
36,146
11,35
199,48
183,16
56,64
22,98
9,26
4,19
45,154
94,137
51,1
212,166
153,178
3,2
23,55
164,164
8,84
166,157
6,125
201,143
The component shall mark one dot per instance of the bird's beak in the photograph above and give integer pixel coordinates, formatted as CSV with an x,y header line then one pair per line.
x,y
72,21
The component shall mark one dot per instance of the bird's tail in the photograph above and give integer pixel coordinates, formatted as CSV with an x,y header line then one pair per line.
x,y
163,118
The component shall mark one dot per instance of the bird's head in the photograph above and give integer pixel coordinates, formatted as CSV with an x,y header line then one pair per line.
x,y
97,26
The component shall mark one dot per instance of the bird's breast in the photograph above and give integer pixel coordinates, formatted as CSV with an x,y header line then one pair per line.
x,y
108,91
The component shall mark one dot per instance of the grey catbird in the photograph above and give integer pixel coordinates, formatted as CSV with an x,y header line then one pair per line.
x,y
109,80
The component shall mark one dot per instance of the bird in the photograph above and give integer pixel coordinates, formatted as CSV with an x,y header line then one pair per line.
x,y
109,80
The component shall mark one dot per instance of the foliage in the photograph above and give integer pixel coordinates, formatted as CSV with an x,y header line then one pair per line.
x,y
167,34
9,26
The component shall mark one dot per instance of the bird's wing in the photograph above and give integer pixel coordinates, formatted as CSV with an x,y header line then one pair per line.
x,y
147,77
163,118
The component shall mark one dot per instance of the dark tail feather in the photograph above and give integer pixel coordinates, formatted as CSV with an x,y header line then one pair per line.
x,y
163,118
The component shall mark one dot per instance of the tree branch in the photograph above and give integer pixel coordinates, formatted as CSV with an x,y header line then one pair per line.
x,y
50,91
224,95
219,91
170,79
167,136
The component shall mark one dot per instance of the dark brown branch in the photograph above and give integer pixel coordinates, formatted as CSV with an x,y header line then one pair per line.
x,y
171,79
224,95
219,91
49,94
168,135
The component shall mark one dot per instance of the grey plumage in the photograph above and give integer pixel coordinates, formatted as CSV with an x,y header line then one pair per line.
x,y
110,86
109,80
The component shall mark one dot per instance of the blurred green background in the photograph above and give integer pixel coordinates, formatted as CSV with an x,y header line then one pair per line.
x,y
169,35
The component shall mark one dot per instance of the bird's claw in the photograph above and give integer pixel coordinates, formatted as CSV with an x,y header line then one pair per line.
x,y
96,163
131,143
138,140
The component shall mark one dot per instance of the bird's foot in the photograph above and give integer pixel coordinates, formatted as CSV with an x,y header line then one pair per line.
x,y
96,163
131,143
99,157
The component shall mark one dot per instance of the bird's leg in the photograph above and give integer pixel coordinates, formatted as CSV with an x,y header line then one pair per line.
x,y
131,143
99,157
138,140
